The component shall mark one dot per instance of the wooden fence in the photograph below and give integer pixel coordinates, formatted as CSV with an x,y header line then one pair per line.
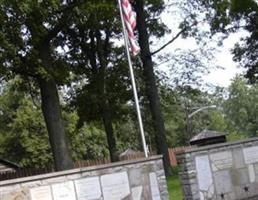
x,y
86,163
173,151
78,164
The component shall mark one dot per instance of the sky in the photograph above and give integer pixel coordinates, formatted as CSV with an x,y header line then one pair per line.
x,y
223,77
223,57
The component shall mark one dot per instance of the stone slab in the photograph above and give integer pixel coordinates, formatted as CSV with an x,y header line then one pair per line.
x,y
251,173
223,182
239,176
251,155
238,158
137,193
154,186
115,186
64,191
221,160
204,174
41,193
88,188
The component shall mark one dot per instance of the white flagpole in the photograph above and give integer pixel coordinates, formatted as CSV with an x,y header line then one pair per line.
x,y
133,82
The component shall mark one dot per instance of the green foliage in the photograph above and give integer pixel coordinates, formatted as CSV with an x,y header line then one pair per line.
x,y
242,108
24,137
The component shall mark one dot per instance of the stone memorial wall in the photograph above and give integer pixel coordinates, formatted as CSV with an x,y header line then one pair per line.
x,y
142,179
226,171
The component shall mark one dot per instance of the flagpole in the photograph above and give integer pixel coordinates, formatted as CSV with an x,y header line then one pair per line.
x,y
133,81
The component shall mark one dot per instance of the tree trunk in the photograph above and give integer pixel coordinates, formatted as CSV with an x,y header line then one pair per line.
x,y
151,88
109,133
52,114
104,107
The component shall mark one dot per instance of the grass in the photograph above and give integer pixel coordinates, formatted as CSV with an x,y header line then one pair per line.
x,y
174,186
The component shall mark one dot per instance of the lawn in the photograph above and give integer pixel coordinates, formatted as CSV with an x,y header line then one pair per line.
x,y
174,188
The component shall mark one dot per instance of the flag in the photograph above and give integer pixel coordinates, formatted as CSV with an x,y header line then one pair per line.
x,y
130,23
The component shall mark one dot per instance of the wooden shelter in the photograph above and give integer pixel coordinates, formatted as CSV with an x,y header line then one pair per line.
x,y
7,166
207,137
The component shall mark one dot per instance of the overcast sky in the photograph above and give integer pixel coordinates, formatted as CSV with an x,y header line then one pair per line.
x,y
223,57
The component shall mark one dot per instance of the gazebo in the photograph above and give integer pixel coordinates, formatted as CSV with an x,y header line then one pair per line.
x,y
207,137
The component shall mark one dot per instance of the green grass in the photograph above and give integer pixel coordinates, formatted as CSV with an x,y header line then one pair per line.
x,y
174,187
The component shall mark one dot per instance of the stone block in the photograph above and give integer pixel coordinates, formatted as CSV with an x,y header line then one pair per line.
x,y
239,176
223,182
221,160
135,177
238,158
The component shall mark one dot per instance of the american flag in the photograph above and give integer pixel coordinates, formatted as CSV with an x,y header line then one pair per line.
x,y
130,23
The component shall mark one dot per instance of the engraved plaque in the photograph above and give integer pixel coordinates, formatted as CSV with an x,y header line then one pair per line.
x,y
115,186
88,188
221,160
64,191
154,186
204,175
251,155
41,193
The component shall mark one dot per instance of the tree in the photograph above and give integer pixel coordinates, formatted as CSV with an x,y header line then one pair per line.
x,y
28,37
24,138
231,16
104,95
241,107
150,84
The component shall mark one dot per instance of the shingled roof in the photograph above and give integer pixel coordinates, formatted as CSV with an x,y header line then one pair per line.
x,y
9,163
207,137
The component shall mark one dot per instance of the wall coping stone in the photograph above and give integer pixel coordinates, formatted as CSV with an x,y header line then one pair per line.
x,y
78,170
215,146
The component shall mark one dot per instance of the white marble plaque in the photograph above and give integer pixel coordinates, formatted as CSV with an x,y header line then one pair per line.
x,y
251,155
221,160
41,193
64,191
137,193
88,188
204,175
115,186
154,186
251,173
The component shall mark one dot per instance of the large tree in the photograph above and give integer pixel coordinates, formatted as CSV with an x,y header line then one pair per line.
x,y
150,82
28,46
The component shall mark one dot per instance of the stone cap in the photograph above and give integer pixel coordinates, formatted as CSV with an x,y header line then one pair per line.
x,y
79,170
220,145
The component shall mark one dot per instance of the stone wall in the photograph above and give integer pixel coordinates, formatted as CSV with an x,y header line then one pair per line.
x,y
127,180
222,171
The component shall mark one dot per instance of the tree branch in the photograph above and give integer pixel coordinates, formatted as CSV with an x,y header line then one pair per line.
x,y
169,42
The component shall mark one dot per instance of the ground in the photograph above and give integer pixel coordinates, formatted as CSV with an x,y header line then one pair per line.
x,y
174,186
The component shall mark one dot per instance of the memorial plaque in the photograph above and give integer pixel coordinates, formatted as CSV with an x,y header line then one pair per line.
x,y
88,188
41,193
251,155
251,173
64,191
154,187
204,175
223,182
115,186
137,193
221,160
